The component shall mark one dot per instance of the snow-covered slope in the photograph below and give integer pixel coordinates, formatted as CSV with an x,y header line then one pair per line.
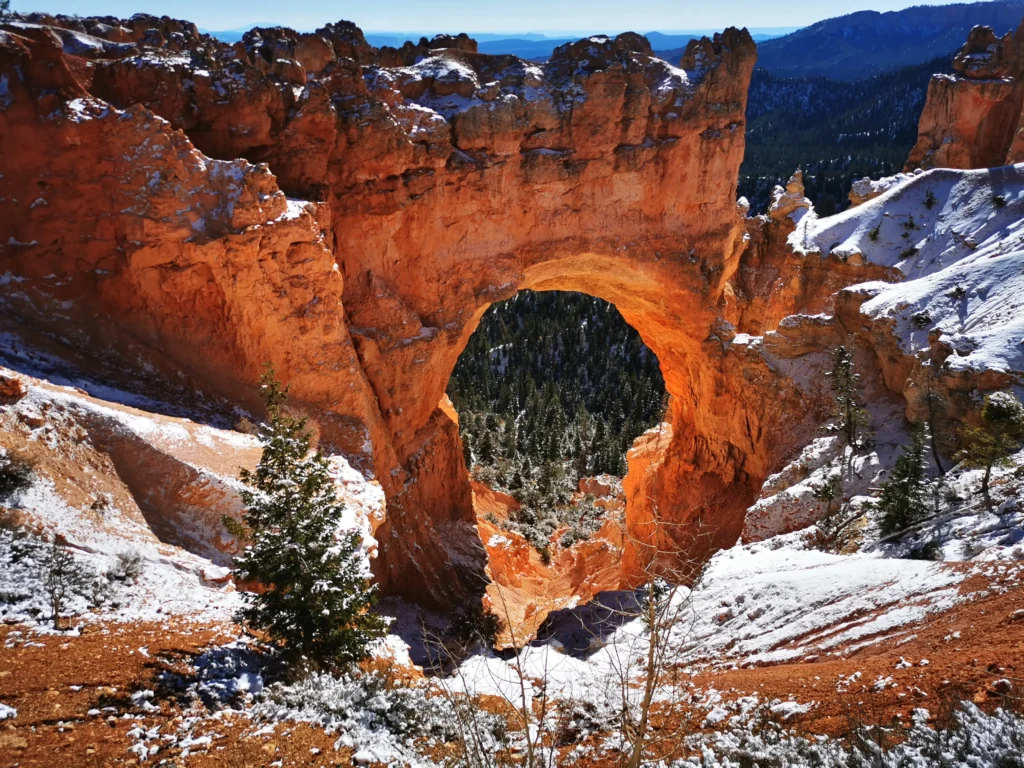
x,y
113,480
771,602
958,238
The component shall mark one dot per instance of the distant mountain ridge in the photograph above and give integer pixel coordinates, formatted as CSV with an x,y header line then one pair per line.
x,y
867,43
852,47
526,45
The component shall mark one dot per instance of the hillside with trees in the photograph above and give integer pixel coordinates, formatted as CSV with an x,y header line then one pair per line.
x,y
837,131
553,387
866,43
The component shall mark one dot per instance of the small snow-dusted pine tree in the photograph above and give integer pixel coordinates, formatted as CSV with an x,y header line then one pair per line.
x,y
316,590
999,436
904,499
65,577
852,417
830,490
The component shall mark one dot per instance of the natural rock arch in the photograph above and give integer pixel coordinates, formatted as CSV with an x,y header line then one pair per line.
x,y
627,195
710,460
440,187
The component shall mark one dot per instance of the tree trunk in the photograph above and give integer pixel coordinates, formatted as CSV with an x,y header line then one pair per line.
x,y
935,453
931,428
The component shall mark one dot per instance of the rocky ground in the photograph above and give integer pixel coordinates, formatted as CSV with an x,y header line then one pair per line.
x,y
102,695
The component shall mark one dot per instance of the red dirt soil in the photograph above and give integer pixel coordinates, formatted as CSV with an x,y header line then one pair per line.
x,y
53,726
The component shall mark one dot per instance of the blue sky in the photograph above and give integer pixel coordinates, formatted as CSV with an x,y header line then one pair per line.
x,y
545,16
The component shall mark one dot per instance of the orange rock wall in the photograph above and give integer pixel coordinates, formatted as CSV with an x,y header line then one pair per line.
x,y
974,119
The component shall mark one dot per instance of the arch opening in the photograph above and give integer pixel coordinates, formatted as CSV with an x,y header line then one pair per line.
x,y
551,391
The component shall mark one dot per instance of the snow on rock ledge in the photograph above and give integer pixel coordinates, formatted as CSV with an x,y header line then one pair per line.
x,y
958,237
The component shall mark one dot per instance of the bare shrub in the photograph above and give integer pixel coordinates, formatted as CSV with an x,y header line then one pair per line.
x,y
65,576
127,568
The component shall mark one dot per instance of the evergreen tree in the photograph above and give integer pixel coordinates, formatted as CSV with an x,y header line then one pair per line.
x,y
581,456
485,449
852,417
316,587
904,499
65,577
522,438
936,425
510,439
829,492
991,444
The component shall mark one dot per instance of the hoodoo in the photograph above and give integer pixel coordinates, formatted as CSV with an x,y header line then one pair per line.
x,y
973,119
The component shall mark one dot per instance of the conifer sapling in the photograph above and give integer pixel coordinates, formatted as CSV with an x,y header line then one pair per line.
x,y
315,579
999,436
852,417
904,499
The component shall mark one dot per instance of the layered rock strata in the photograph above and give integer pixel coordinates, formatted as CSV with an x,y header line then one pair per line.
x,y
973,119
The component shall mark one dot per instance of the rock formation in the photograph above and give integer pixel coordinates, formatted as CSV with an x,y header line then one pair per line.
x,y
943,326
773,282
348,214
974,119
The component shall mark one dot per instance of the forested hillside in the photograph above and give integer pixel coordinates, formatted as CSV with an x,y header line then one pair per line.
x,y
553,387
837,131
867,43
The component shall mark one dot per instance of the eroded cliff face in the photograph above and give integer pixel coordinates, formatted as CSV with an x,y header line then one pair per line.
x,y
396,194
973,119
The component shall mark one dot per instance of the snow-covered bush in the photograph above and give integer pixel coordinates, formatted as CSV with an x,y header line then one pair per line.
x,y
366,709
223,675
586,520
975,740
361,701
127,567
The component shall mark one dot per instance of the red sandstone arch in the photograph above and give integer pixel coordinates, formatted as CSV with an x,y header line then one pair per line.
x,y
440,188
628,196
